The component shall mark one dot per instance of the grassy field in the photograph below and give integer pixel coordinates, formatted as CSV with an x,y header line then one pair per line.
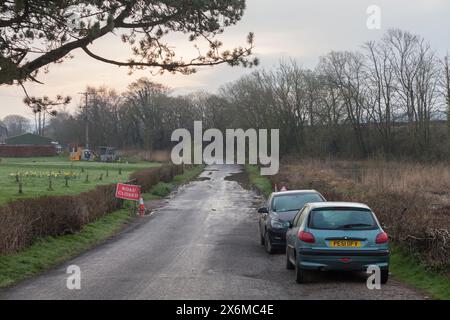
x,y
50,251
34,175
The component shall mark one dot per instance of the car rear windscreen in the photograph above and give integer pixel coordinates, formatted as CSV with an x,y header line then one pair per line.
x,y
342,219
293,202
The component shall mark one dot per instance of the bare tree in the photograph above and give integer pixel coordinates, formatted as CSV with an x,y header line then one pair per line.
x,y
16,124
381,100
345,71
43,106
353,104
416,70
447,93
330,111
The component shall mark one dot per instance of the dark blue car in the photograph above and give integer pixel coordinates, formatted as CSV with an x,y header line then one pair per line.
x,y
282,207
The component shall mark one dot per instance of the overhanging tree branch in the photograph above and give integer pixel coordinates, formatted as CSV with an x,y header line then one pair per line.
x,y
175,66
47,34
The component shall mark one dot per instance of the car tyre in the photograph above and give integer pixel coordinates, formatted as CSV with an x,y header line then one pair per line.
x,y
384,276
268,244
301,275
289,264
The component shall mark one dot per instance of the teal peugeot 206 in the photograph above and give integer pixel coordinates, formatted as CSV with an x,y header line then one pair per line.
x,y
336,236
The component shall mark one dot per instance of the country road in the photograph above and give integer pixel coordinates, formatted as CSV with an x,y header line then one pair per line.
x,y
202,244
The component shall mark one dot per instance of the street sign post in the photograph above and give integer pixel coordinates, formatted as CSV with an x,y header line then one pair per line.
x,y
129,192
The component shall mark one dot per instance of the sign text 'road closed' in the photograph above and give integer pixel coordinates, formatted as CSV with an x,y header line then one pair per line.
x,y
128,192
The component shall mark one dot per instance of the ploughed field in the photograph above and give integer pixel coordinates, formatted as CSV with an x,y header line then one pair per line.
x,y
35,174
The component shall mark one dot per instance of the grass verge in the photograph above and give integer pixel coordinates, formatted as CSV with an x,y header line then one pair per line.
x,y
403,267
261,183
408,270
48,252
163,189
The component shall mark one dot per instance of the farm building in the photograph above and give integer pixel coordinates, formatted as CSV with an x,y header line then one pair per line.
x,y
29,139
28,145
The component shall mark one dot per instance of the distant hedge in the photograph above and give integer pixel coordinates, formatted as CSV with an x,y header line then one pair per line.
x,y
147,178
12,151
24,221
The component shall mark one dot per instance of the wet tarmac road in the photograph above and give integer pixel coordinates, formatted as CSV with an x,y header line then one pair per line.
x,y
202,244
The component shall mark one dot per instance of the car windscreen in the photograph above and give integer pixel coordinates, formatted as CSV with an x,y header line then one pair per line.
x,y
342,219
293,202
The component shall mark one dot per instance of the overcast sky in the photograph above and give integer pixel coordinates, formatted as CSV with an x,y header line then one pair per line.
x,y
301,29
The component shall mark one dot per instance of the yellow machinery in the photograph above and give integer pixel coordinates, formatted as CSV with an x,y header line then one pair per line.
x,y
78,153
75,153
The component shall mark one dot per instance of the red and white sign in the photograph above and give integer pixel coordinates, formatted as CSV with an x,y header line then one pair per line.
x,y
128,192
280,187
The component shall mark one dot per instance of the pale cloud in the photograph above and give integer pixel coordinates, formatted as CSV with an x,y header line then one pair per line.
x,y
302,29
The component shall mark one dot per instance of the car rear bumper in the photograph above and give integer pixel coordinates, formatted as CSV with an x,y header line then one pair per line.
x,y
351,260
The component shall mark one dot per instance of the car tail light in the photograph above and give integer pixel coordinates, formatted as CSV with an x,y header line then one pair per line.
x,y
306,237
382,238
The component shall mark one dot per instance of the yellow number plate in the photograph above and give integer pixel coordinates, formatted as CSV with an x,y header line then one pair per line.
x,y
345,244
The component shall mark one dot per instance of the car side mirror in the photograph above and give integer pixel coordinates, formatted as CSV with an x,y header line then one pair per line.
x,y
263,210
291,225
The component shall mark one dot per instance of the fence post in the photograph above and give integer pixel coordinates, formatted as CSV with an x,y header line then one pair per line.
x,y
50,188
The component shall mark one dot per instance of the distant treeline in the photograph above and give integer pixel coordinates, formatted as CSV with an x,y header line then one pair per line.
x,y
390,98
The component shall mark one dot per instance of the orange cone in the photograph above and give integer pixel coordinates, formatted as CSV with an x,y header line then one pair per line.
x,y
141,207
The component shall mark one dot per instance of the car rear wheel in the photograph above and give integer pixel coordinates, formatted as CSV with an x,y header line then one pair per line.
x,y
268,244
301,275
289,264
384,276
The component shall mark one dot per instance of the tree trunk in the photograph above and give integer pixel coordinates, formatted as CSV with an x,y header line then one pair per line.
x,y
447,92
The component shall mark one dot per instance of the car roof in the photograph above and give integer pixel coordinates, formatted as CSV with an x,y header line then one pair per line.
x,y
318,205
282,193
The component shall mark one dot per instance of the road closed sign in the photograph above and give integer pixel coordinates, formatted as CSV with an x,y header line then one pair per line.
x,y
128,192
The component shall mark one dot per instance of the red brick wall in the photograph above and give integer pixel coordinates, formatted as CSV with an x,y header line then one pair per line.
x,y
27,151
